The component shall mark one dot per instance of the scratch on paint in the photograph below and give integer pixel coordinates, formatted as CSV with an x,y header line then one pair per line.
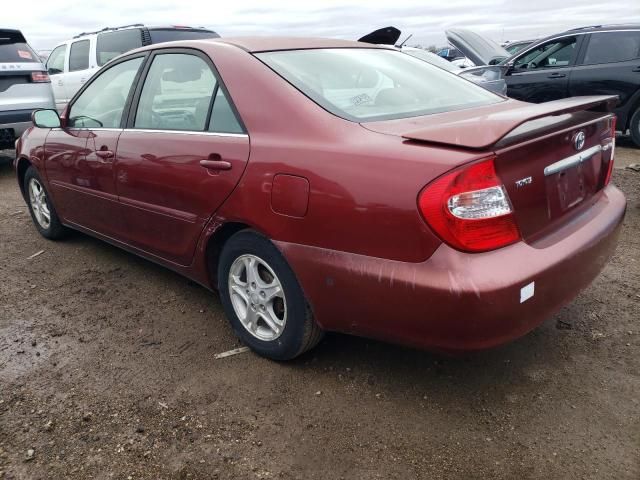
x,y
454,287
458,287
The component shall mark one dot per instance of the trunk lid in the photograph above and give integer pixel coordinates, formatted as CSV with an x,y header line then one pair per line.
x,y
552,168
480,50
552,158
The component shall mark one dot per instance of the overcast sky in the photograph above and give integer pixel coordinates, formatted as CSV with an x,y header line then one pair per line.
x,y
46,22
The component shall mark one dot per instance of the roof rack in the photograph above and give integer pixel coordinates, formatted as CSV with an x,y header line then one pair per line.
x,y
583,28
604,25
109,29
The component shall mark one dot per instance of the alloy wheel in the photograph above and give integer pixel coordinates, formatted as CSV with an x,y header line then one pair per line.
x,y
257,297
38,201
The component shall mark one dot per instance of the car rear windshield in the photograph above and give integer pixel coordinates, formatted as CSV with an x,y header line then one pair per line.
x,y
159,35
17,53
361,84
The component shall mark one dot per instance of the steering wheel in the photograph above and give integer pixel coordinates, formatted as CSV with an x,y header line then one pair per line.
x,y
532,65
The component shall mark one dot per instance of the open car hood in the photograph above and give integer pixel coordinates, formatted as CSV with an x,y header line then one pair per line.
x,y
460,128
382,36
480,50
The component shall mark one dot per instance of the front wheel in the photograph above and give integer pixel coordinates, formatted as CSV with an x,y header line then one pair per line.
x,y
41,208
263,299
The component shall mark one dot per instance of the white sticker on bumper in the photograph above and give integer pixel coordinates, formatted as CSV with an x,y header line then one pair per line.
x,y
527,292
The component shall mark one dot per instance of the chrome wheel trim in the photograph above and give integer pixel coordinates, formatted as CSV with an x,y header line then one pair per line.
x,y
257,297
38,201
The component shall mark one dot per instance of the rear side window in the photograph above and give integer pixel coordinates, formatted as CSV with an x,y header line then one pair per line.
x,y
176,94
17,53
159,35
223,119
611,47
79,56
111,44
55,63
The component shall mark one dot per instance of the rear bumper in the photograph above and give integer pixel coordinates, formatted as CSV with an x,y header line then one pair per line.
x,y
12,124
458,301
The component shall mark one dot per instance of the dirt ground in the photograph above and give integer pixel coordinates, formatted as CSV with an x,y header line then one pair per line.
x,y
107,370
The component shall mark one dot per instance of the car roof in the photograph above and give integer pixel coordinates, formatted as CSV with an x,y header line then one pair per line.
x,y
269,44
589,29
600,28
141,25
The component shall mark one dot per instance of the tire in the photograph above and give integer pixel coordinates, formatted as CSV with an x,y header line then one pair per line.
x,y
276,325
40,206
634,127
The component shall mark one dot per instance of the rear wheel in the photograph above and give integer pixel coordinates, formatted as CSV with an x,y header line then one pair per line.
x,y
263,299
634,127
42,211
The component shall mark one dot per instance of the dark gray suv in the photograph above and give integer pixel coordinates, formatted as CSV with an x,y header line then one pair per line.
x,y
596,60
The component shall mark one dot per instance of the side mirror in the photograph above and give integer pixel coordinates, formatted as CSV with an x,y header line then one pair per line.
x,y
509,68
53,71
46,118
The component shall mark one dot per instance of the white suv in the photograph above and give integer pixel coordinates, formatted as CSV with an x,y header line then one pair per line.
x,y
73,62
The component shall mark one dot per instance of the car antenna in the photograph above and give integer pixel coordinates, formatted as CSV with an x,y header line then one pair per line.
x,y
405,40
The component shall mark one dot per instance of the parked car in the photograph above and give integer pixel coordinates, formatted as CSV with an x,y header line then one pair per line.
x,y
24,86
72,63
584,61
515,47
487,77
325,185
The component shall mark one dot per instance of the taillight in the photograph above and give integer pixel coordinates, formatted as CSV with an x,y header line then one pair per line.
x,y
40,77
469,208
607,178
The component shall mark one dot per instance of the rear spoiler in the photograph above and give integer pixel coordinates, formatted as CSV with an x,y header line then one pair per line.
x,y
484,130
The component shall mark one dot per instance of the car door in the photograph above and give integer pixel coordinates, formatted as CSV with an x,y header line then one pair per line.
x,y
55,67
79,70
80,156
610,65
541,73
182,154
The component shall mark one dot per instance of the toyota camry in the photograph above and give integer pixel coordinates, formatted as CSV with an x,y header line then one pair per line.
x,y
325,185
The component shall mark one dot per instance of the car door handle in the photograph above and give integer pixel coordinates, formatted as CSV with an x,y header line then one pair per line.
x,y
104,153
637,69
557,75
215,162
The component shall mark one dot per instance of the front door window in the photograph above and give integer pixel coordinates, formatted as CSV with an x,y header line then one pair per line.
x,y
558,53
101,105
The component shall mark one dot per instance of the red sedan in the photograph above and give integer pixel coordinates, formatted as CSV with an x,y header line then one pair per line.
x,y
322,185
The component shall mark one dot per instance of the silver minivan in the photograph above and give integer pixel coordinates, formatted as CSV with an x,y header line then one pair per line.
x,y
24,86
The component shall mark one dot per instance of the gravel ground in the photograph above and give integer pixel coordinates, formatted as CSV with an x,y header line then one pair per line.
x,y
107,370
